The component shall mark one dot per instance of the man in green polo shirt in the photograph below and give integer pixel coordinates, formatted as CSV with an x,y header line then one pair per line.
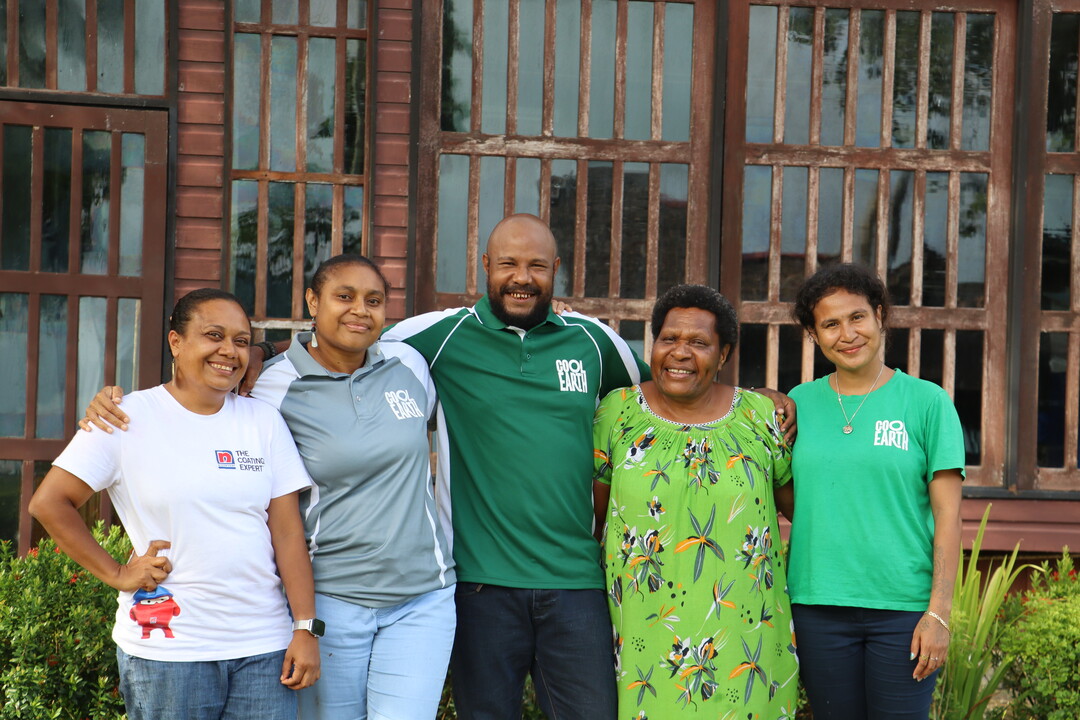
x,y
517,387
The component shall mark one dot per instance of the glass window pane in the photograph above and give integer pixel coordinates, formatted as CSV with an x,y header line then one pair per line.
x,y
757,217
761,74
530,67
279,249
492,194
110,47
357,14
1061,93
639,32
635,229
674,194
91,368
678,71
793,232
353,231
800,50
939,115
901,201
451,242
1056,241
753,341
830,215
133,153
978,76
247,10
320,99
128,329
1053,363
14,332
323,12
493,113
355,102
31,44
56,200
567,68
871,64
968,392
10,494
97,148
243,236
527,186
318,227
457,67
284,12
896,353
598,229
246,102
71,45
563,219
15,241
149,45
283,103
834,77
932,355
864,243
935,234
789,356
971,253
905,79
602,76
633,332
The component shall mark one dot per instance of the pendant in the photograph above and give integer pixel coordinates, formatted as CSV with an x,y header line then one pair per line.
x,y
847,429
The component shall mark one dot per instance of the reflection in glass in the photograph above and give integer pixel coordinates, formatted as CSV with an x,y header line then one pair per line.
x,y
567,68
1053,363
318,225
132,155
635,229
55,200
757,215
149,46
865,222
353,231
492,194
1061,90
793,232
968,391
752,346
674,193
356,14
530,67
563,221
14,329
971,250
320,105
243,241
355,103
830,215
935,234
279,249
128,329
800,48
94,233
871,64
31,44
834,76
639,32
602,77
678,64
939,111
598,229
1056,241
761,74
457,66
90,376
15,241
323,12
110,49
932,355
10,493
282,103
246,101
70,45
978,75
247,10
905,79
451,245
493,113
527,186
901,198
284,12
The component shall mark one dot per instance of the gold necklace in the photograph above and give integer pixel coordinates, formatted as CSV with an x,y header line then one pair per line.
x,y
847,420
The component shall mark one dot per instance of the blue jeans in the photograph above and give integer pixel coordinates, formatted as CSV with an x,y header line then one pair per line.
x,y
240,689
854,663
381,662
562,637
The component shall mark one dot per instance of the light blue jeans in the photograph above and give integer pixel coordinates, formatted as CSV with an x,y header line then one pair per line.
x,y
382,663
240,689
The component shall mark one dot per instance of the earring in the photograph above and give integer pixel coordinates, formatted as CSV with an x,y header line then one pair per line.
x,y
314,339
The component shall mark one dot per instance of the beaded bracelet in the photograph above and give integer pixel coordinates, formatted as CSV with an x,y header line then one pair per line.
x,y
268,349
940,619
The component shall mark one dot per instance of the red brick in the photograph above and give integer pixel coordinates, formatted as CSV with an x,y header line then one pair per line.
x,y
198,202
399,4
393,87
201,267
200,234
202,78
202,46
390,242
394,56
201,140
203,109
391,149
395,24
392,118
390,210
200,171
202,15
391,180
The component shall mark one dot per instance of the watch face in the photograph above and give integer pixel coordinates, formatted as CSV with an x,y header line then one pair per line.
x,y
318,627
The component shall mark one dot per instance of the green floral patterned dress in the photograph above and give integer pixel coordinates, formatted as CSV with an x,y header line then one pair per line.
x,y
695,575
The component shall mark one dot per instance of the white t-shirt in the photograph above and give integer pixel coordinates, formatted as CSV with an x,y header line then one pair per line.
x,y
202,482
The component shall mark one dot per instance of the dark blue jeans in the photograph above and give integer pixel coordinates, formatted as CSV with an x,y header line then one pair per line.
x,y
854,663
562,637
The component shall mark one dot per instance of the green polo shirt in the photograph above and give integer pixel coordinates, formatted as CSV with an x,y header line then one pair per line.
x,y
515,449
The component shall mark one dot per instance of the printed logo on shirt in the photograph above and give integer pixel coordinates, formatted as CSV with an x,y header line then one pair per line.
x,y
572,377
239,460
891,433
225,460
402,405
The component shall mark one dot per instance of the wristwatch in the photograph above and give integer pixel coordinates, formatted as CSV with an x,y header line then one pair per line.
x,y
315,626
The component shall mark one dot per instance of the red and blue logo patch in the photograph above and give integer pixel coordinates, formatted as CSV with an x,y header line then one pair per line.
x,y
225,460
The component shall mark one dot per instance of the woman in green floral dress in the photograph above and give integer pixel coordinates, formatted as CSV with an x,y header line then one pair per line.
x,y
686,471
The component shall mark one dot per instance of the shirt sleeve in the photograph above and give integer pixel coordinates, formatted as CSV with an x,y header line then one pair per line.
x,y
944,436
93,457
603,422
772,438
289,473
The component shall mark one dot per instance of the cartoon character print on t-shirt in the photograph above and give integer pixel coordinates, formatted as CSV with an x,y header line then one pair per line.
x,y
154,609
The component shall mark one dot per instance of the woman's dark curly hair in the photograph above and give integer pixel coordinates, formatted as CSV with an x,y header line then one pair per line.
x,y
855,279
187,305
703,298
331,264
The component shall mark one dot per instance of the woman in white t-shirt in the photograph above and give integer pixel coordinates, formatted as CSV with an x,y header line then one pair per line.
x,y
207,491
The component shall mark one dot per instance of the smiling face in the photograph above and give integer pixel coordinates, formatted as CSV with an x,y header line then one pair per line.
x,y
349,312
848,331
687,354
212,352
520,263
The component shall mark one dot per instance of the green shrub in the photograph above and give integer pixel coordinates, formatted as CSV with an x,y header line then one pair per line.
x,y
57,657
1045,679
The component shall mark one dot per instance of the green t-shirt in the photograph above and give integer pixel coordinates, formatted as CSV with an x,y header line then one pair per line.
x,y
863,531
515,439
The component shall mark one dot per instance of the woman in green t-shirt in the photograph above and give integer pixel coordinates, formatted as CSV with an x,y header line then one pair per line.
x,y
875,540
